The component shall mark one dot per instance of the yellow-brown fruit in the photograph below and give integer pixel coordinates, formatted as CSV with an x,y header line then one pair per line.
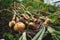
x,y
46,21
33,25
11,23
16,27
19,26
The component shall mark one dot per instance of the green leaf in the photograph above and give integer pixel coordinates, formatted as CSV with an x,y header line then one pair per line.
x,y
19,1
6,3
55,34
8,35
41,36
38,34
24,36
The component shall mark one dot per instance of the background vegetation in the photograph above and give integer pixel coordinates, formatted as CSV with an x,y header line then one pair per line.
x,y
50,31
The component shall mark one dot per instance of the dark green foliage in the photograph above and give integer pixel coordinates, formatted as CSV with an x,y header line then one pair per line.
x,y
6,3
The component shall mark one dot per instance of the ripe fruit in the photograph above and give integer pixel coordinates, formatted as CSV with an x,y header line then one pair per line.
x,y
33,25
46,21
19,26
11,23
16,27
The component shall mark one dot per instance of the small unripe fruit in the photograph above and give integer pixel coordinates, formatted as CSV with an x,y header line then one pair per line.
x,y
19,26
11,23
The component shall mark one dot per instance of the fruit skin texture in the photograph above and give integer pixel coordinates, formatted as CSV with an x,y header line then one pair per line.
x,y
11,23
19,26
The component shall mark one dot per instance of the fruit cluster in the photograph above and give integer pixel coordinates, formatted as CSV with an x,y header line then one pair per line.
x,y
20,21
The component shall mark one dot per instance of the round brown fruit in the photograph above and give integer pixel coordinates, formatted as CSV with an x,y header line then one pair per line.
x,y
33,25
19,26
11,23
